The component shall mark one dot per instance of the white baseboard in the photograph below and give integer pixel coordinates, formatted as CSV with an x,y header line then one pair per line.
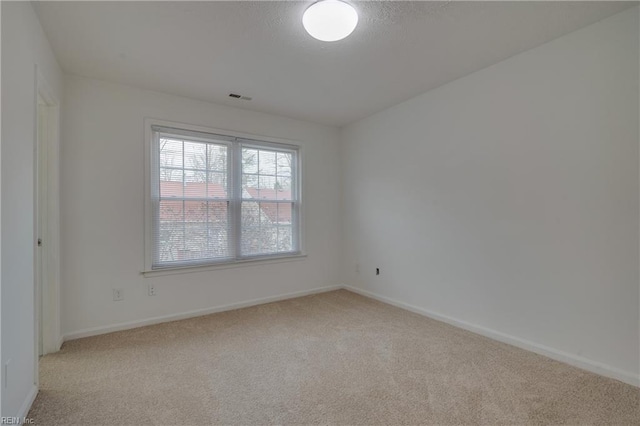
x,y
567,358
94,331
28,402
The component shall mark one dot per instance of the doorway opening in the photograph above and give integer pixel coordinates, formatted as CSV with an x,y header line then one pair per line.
x,y
46,224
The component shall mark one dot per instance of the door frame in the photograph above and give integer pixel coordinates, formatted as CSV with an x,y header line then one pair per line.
x,y
46,220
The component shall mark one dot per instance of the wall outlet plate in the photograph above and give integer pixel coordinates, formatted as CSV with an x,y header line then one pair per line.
x,y
151,290
118,294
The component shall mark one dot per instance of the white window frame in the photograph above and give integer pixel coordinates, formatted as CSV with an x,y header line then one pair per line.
x,y
235,142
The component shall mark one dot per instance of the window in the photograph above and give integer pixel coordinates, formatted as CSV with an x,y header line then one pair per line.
x,y
220,199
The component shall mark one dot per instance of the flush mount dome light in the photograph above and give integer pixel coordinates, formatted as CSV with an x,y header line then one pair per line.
x,y
330,20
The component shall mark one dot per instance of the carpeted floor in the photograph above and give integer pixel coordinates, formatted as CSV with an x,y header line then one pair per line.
x,y
332,358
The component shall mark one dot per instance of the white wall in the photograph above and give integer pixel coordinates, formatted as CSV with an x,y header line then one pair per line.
x,y
23,47
508,199
102,199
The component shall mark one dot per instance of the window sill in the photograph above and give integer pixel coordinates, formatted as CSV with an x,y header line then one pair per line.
x,y
226,265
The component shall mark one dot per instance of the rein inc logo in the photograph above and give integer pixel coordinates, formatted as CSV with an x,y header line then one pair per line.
x,y
16,421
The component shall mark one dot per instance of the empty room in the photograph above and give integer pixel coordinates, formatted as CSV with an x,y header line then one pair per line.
x,y
320,212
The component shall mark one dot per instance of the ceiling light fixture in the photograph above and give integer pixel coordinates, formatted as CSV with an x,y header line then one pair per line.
x,y
330,20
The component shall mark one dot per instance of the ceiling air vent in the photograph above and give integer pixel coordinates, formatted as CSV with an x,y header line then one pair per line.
x,y
235,95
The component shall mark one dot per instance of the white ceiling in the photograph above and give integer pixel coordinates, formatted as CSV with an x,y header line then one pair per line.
x,y
206,50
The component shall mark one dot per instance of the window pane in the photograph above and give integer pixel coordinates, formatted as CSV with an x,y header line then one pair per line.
x,y
171,175
217,187
249,160
283,189
266,162
192,230
285,238
170,240
217,229
267,184
195,211
195,155
204,174
195,184
271,179
251,241
195,241
283,161
217,158
170,153
266,228
171,185
259,232
171,233
284,213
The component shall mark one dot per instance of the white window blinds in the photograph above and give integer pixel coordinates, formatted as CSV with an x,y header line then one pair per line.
x,y
219,199
268,208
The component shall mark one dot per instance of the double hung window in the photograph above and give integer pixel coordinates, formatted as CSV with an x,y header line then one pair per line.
x,y
221,199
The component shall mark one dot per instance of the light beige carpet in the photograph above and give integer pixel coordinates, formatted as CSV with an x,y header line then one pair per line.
x,y
333,358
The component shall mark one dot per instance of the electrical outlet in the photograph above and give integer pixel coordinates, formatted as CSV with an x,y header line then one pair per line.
x,y
118,294
377,271
357,268
151,289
